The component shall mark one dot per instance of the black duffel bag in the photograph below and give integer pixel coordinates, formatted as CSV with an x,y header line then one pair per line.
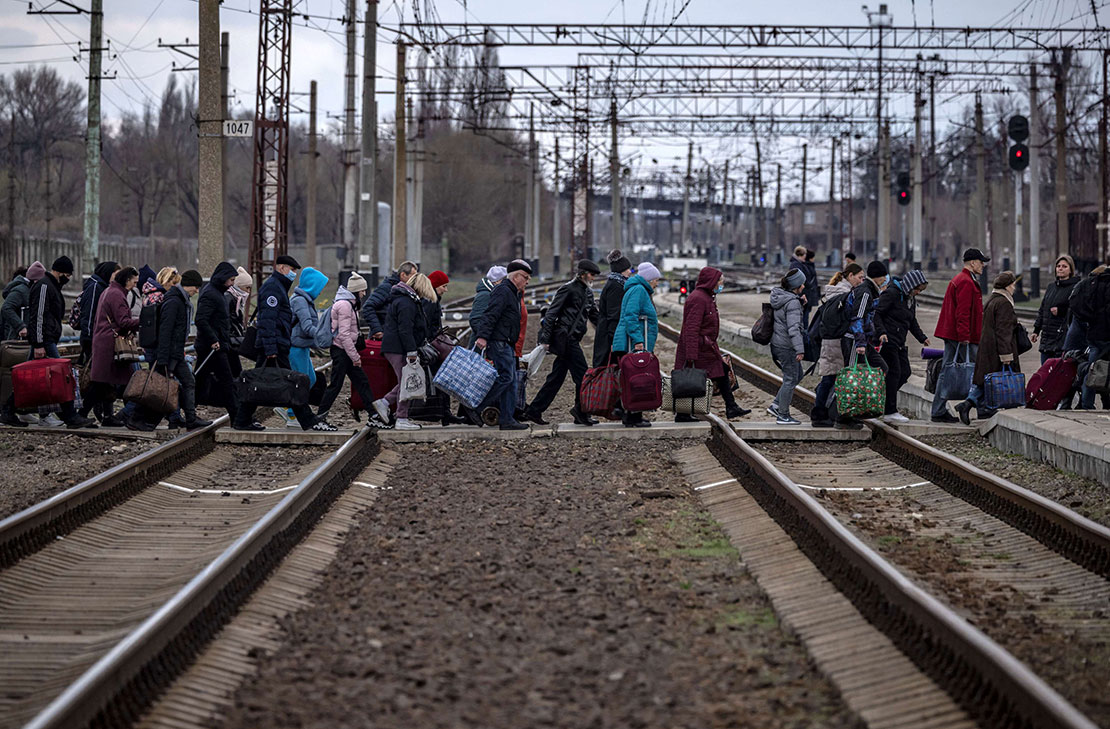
x,y
273,386
688,382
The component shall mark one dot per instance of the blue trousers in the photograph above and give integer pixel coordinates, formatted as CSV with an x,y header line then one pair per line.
x,y
503,392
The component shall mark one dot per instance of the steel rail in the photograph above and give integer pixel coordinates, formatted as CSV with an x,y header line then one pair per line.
x,y
119,686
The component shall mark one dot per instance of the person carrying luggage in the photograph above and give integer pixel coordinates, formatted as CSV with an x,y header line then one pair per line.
x,y
345,360
895,317
697,342
498,332
997,347
433,316
45,312
831,358
798,262
1094,310
861,335
959,325
94,286
275,329
238,300
482,291
112,319
16,295
373,309
305,321
566,322
637,310
214,373
788,341
609,306
405,330
1051,327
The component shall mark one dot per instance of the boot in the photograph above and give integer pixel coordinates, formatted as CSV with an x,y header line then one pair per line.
x,y
963,409
194,422
734,411
580,418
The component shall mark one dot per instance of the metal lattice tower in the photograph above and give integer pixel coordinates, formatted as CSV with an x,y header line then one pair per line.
x,y
269,196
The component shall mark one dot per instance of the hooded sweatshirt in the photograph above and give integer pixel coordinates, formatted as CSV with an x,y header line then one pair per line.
x,y
787,335
344,323
90,295
305,316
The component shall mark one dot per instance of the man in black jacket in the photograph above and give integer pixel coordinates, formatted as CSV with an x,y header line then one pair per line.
x,y
173,330
609,306
373,309
563,328
499,328
214,375
44,331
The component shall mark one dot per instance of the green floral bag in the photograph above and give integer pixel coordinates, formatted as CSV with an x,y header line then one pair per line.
x,y
860,390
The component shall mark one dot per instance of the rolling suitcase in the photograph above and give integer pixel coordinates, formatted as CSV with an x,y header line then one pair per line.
x,y
43,382
378,371
1051,383
641,381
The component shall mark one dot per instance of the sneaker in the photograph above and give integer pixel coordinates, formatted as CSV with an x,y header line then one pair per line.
x,y
29,418
787,420
12,420
895,418
381,407
404,424
946,418
51,420
79,422
323,426
772,410
283,413
375,422
514,426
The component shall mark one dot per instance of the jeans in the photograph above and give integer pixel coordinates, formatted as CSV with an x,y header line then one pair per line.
x,y
791,376
341,366
503,392
940,405
1098,350
573,361
245,415
898,373
824,392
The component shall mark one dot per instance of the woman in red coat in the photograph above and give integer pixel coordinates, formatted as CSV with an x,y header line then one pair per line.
x,y
697,343
113,316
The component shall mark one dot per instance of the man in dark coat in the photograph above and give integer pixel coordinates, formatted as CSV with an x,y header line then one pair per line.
x,y
998,346
173,330
895,317
16,295
609,306
373,309
213,319
564,326
1094,308
499,329
44,331
798,261
275,328
90,297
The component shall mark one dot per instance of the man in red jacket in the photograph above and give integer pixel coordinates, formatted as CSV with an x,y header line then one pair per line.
x,y
959,325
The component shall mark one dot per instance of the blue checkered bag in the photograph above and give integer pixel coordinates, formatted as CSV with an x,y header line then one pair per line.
x,y
1005,389
466,375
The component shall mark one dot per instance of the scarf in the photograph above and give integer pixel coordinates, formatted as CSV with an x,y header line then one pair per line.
x,y
616,276
240,299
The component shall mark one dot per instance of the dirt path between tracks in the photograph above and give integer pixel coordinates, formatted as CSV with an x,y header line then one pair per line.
x,y
538,583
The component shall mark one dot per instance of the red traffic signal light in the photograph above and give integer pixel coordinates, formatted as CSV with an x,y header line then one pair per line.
x,y
1019,157
903,197
681,289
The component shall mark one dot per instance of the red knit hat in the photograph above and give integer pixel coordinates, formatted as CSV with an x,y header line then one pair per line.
x,y
438,278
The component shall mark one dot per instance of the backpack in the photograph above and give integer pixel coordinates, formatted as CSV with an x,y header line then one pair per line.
x,y
835,316
75,314
324,335
764,327
148,325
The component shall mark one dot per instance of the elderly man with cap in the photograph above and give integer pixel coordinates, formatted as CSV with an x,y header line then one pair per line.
x,y
499,329
565,324
275,331
494,276
45,311
998,345
960,324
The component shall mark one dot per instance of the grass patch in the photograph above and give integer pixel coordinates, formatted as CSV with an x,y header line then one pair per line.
x,y
740,618
888,540
710,549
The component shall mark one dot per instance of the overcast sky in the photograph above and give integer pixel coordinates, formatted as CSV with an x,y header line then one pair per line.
x,y
134,29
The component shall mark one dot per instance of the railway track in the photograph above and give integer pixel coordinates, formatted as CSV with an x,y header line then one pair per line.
x,y
1020,560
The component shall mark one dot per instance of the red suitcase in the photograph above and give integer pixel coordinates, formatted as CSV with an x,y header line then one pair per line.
x,y
378,371
641,382
43,382
1051,383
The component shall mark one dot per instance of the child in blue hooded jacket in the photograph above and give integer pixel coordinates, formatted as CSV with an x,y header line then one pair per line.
x,y
305,320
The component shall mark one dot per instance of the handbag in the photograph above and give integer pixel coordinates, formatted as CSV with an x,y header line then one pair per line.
x,y
1098,376
696,405
932,374
1023,343
860,389
954,382
601,390
125,349
764,327
688,382
152,391
1005,389
731,373
466,375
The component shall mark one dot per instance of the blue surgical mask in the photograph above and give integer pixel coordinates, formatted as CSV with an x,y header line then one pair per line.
x,y
886,282
292,275
720,288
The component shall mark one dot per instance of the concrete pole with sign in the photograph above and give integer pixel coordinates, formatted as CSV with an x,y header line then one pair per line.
x,y
210,201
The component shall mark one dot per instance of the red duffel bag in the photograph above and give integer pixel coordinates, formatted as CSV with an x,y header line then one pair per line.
x,y
378,371
1051,383
601,390
43,382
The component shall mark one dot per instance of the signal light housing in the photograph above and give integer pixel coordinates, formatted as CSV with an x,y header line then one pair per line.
x,y
1019,157
903,192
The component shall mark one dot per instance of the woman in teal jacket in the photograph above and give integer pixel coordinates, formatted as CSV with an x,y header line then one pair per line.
x,y
636,309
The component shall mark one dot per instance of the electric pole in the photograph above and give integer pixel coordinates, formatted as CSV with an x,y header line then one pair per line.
x,y
1034,187
916,198
210,203
400,206
684,229
614,174
832,197
556,228
92,137
802,208
310,213
225,104
368,164
979,231
350,174
1060,66
882,233
778,211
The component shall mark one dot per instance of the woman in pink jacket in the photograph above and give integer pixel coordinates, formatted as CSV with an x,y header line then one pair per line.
x,y
344,354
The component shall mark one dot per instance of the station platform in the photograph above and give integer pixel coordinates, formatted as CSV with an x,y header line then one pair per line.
x,y
282,436
1071,440
162,433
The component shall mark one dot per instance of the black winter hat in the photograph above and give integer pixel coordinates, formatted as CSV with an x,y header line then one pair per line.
x,y
588,266
62,264
618,263
876,269
519,265
192,278
288,261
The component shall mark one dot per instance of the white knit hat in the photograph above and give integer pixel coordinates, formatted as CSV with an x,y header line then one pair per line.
x,y
648,271
244,280
496,273
356,283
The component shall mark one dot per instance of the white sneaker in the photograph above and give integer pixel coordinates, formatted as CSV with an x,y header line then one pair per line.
x,y
406,424
29,418
324,426
381,407
895,418
51,421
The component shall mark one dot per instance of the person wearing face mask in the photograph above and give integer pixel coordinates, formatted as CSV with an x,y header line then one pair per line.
x,y
697,342
636,309
44,331
960,324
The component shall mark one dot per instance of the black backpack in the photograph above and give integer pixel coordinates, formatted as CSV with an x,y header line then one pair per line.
x,y
835,316
764,327
149,317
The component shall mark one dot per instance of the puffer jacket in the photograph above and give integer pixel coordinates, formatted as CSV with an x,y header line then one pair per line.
x,y
344,323
788,335
212,319
831,360
373,309
1053,328
500,321
405,328
303,303
635,305
482,292
16,295
173,326
275,315
896,316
